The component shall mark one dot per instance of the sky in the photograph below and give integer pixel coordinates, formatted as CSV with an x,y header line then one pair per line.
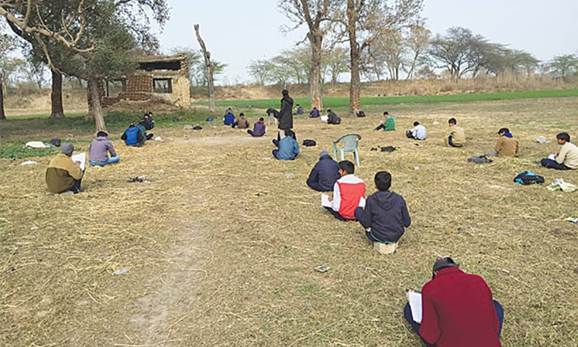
x,y
238,32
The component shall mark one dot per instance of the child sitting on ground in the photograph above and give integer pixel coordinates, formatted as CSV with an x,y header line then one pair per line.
x,y
385,215
348,193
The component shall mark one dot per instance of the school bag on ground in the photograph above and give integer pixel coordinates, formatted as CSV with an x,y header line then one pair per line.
x,y
131,136
528,177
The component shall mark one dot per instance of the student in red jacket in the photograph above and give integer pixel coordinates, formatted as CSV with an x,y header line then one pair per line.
x,y
348,193
457,310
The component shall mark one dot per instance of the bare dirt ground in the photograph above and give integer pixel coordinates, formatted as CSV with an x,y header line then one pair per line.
x,y
220,245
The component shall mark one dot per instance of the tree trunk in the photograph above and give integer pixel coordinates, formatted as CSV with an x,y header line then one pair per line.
x,y
355,56
56,96
94,103
2,113
209,69
315,71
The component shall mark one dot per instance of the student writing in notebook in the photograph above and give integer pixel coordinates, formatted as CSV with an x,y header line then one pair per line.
x,y
457,309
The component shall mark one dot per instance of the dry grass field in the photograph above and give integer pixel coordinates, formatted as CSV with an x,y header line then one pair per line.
x,y
222,242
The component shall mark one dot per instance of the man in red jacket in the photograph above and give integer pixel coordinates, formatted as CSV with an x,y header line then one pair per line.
x,y
457,309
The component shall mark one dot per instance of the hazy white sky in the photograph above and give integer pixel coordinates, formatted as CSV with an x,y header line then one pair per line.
x,y
238,31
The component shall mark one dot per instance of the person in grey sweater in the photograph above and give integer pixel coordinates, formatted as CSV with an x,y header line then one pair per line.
x,y
99,150
385,215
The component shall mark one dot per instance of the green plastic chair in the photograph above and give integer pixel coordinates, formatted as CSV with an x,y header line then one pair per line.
x,y
347,144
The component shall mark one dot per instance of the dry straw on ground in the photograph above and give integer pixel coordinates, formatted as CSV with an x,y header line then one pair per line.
x,y
221,245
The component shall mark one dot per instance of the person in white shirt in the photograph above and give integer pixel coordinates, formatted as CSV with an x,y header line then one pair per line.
x,y
567,159
419,132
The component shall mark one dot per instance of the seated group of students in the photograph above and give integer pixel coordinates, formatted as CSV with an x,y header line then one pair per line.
x,y
458,308
64,175
259,128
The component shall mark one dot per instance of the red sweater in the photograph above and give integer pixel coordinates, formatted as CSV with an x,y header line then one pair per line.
x,y
458,311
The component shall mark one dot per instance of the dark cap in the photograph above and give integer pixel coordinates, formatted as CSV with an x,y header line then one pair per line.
x,y
444,262
503,131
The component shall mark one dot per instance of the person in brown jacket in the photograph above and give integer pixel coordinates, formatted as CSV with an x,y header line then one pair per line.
x,y
456,136
506,146
62,174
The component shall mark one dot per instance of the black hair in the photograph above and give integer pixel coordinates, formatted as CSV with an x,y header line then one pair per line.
x,y
347,166
416,123
503,131
564,137
285,92
453,121
261,119
241,114
101,134
386,113
383,181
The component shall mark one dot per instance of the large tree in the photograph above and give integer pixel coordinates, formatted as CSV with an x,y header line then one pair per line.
x,y
564,65
88,39
6,46
366,21
316,15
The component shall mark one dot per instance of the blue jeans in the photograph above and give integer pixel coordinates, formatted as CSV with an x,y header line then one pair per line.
x,y
415,326
111,160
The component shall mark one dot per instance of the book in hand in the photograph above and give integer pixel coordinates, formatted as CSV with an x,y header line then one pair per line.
x,y
414,299
325,202
80,158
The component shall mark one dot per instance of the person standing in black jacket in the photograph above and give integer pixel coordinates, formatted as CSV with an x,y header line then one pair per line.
x,y
285,115
324,175
385,215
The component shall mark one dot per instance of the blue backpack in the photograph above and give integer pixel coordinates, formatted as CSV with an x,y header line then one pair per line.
x,y
131,136
528,177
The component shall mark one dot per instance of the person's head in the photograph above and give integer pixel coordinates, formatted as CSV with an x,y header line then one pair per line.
x,y
315,108
298,105
261,119
329,110
289,133
386,114
67,149
346,168
242,115
101,134
503,132
229,109
452,122
323,154
383,181
443,263
416,123
285,92
563,138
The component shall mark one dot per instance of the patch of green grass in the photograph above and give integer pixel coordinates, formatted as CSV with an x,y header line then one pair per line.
x,y
16,151
339,102
16,131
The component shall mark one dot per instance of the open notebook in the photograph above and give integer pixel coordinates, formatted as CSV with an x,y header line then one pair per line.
x,y
81,158
414,299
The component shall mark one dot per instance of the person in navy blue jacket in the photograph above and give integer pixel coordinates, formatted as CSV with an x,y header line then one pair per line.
x,y
324,175
385,215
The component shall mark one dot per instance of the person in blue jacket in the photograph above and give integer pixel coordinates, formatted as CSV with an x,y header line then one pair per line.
x,y
324,175
288,149
229,118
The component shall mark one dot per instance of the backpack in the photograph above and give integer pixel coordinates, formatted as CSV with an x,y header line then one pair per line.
x,y
481,159
309,143
131,136
528,177
148,122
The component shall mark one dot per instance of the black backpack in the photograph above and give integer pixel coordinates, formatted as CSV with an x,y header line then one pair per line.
x,y
528,177
309,143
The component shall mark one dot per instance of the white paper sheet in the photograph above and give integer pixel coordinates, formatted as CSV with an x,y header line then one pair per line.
x,y
81,158
325,202
414,299
362,202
